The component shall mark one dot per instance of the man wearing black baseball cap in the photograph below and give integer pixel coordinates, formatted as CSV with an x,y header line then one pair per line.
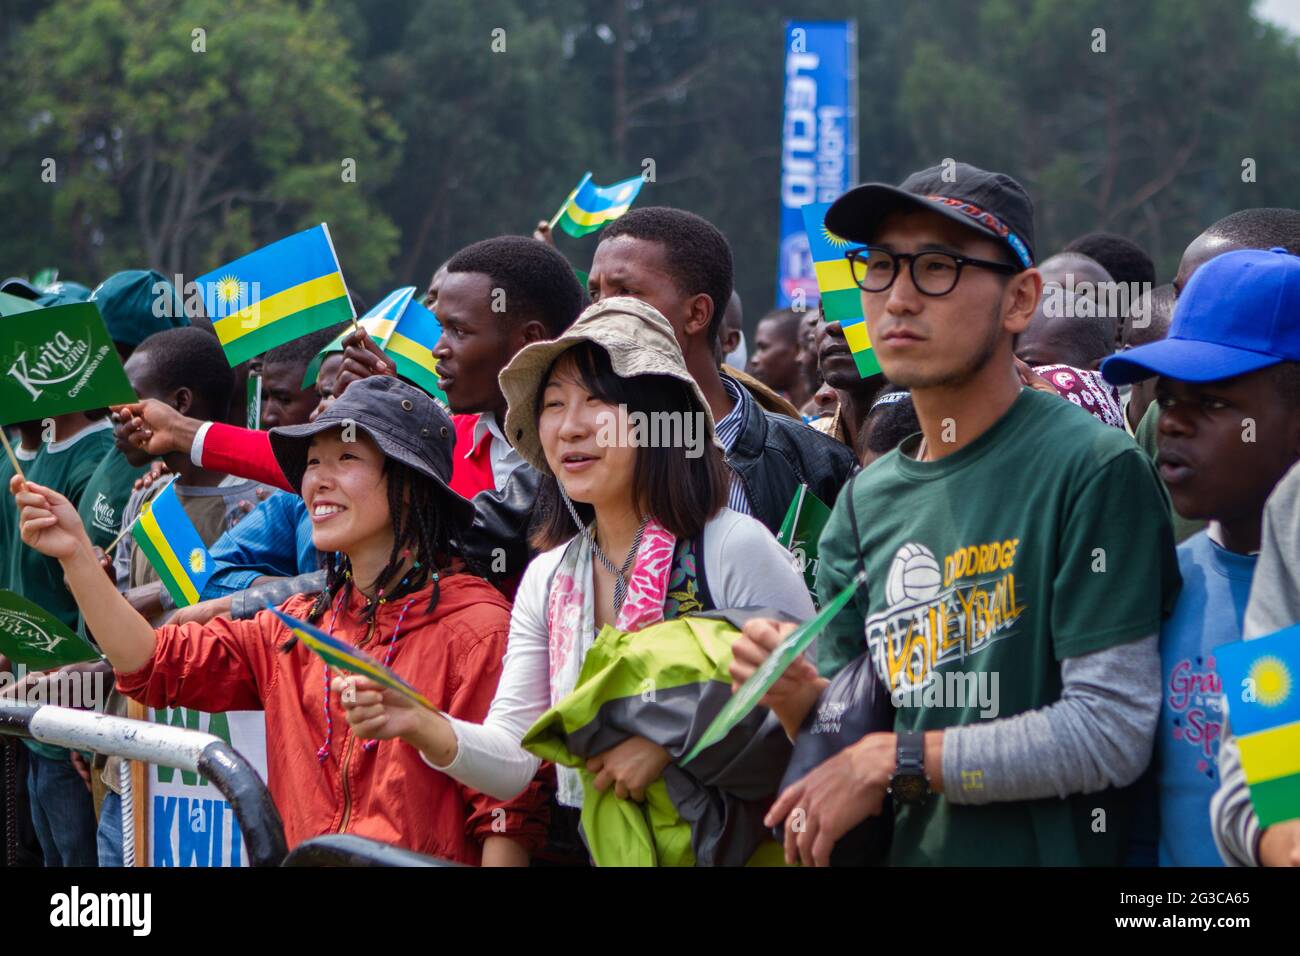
x,y
1018,562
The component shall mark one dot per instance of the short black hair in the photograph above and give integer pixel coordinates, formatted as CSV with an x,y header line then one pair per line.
x,y
787,320
888,423
697,254
1160,312
1124,259
538,282
302,350
191,357
1286,377
680,492
1261,228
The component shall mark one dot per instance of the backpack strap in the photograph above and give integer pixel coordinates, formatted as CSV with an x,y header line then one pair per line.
x,y
706,596
857,535
688,586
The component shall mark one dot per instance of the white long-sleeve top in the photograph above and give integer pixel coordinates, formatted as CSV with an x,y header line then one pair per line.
x,y
744,567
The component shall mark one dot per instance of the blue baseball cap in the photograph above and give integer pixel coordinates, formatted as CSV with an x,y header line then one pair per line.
x,y
1239,313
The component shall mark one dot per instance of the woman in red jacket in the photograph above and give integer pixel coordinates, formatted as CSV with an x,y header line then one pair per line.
x,y
373,471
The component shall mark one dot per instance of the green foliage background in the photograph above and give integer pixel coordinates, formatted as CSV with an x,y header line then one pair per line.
x,y
180,160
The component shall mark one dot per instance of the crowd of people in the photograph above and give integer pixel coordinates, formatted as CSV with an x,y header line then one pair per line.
x,y
1050,508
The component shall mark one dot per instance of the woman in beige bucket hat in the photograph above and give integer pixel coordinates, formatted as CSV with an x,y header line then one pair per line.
x,y
633,512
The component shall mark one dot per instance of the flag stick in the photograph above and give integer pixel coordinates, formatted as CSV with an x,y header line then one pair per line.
x,y
138,515
330,239
565,205
13,459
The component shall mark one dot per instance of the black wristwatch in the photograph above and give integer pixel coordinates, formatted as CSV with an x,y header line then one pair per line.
x,y
910,785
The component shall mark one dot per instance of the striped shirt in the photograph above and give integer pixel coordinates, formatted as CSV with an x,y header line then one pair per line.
x,y
728,430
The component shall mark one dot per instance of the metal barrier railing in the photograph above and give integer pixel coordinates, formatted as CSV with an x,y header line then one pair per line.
x,y
188,750
345,849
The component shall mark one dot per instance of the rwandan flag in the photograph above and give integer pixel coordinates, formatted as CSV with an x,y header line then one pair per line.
x,y
349,658
167,537
590,206
841,298
406,332
276,294
1261,684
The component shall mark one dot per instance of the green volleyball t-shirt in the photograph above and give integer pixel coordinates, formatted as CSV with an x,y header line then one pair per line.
x,y
1045,538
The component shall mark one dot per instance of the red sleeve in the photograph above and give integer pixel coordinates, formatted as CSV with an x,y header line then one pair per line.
x,y
218,666
526,818
243,452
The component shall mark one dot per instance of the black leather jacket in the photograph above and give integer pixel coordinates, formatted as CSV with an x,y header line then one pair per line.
x,y
775,454
498,539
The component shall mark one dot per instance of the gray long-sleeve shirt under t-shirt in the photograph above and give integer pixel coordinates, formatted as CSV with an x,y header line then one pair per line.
x,y
1099,733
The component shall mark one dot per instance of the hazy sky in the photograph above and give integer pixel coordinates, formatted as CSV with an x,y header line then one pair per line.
x,y
1285,12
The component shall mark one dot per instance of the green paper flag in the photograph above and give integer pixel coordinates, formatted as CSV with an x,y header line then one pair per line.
x,y
58,360
748,694
253,405
800,531
37,639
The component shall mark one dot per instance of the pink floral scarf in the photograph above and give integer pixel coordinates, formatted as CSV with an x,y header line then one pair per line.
x,y
571,616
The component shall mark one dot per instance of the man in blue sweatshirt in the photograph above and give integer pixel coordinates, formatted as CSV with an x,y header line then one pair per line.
x,y
1229,396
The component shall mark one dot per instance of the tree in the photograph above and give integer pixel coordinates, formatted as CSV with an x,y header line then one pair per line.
x,y
186,137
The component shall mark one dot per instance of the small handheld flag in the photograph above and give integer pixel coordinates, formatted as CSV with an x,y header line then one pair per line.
x,y
276,294
58,360
840,297
253,401
801,530
35,638
405,331
164,532
748,694
1261,686
349,658
589,206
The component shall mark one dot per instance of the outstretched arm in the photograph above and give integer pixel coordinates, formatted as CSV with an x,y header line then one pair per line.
x,y
50,524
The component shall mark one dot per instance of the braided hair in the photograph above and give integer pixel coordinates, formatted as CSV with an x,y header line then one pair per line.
x,y
420,529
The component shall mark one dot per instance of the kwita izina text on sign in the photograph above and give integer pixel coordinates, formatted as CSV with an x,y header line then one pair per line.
x,y
58,360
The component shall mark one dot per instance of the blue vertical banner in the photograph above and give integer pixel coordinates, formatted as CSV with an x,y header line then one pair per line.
x,y
819,138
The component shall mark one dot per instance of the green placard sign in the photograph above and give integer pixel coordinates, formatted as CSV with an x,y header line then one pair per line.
x,y
58,360
36,638
748,694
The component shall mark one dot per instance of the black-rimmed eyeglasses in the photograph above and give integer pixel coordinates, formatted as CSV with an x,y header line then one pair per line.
x,y
933,273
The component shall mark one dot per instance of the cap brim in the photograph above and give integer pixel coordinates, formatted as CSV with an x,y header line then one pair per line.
x,y
1187,360
21,288
857,214
290,444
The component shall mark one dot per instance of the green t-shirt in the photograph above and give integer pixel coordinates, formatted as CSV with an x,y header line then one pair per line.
x,y
106,495
1045,538
9,514
1145,436
65,466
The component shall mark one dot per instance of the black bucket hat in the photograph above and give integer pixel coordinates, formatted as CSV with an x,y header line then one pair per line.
x,y
406,424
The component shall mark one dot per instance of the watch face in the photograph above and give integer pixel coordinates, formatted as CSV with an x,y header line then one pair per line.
x,y
909,788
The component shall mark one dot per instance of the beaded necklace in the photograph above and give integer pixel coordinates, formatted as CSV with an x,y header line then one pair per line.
x,y
322,754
